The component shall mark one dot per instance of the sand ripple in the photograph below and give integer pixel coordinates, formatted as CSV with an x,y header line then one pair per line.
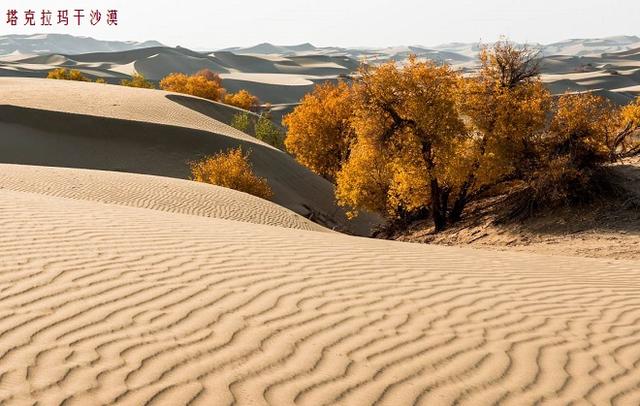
x,y
103,303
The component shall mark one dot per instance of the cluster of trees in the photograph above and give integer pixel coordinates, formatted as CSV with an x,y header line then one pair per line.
x,y
423,140
231,169
205,84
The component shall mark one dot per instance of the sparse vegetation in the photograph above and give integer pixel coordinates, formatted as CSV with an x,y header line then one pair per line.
x,y
267,132
232,170
241,121
421,140
137,80
67,74
260,127
101,81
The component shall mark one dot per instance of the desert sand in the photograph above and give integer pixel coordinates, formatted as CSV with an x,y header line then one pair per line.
x,y
104,301
145,288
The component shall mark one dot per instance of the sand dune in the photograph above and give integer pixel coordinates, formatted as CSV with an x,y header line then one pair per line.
x,y
150,192
93,126
103,303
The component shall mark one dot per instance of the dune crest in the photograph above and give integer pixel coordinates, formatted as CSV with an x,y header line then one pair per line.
x,y
150,192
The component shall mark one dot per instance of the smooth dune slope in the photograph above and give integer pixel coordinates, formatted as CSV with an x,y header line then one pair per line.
x,y
150,192
108,304
93,126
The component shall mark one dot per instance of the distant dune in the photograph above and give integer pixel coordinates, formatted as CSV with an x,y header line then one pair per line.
x,y
88,125
282,75
63,43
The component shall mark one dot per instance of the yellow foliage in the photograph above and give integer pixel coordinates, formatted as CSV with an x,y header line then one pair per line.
x,y
137,80
631,113
319,129
582,126
407,140
365,180
208,86
101,81
67,74
407,125
232,170
242,99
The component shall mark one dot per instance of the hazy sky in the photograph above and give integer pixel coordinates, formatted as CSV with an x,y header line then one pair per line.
x,y
213,24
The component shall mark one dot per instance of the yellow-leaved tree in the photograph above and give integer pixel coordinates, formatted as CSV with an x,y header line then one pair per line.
x,y
319,132
506,106
407,128
420,139
205,84
242,99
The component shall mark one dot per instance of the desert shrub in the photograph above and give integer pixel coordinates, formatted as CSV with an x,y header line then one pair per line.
x,y
101,81
242,99
586,133
137,80
206,85
67,74
268,132
232,170
319,132
241,121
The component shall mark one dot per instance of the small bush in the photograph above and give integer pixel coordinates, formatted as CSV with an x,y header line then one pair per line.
x,y
241,121
137,80
67,74
267,132
100,80
232,170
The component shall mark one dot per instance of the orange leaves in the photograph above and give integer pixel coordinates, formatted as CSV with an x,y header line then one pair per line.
x,y
232,170
242,99
406,123
205,84
319,129
208,85
67,74
405,140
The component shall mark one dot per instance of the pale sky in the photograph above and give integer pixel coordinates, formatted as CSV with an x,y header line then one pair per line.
x,y
214,24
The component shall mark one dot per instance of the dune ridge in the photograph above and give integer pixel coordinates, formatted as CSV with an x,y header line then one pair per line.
x,y
108,304
150,192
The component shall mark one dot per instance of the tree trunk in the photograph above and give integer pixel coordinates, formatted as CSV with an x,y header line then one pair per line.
x,y
439,218
458,206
